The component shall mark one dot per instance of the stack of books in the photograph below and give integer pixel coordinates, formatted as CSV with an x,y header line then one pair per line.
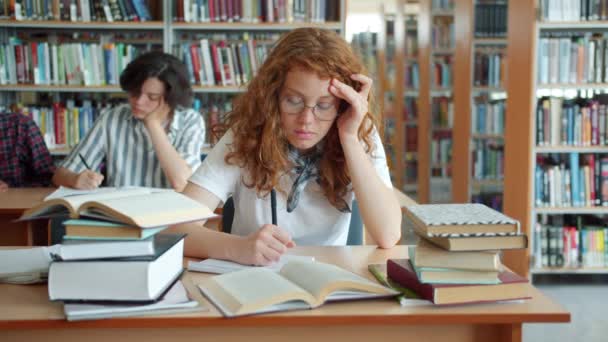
x,y
457,259
114,251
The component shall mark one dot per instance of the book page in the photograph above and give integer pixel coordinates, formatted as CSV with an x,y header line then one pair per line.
x,y
224,266
253,290
322,279
25,265
150,210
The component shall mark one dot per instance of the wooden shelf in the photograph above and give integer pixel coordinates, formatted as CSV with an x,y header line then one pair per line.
x,y
486,136
60,88
490,41
437,92
443,51
570,270
572,210
571,86
574,25
70,25
570,149
219,89
480,90
442,12
108,89
253,27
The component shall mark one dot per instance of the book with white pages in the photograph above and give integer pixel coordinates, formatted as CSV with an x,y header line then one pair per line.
x,y
176,300
138,207
134,279
26,265
103,249
218,266
298,285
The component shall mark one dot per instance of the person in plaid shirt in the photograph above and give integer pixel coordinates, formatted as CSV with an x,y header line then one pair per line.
x,y
24,159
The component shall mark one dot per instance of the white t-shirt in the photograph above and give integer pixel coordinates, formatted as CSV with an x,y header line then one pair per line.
x,y
313,222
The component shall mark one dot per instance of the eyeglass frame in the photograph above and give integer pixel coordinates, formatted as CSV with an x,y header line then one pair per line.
x,y
313,108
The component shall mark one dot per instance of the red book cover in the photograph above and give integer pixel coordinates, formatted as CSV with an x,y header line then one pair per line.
x,y
196,63
229,10
216,63
59,113
34,48
20,63
512,286
211,8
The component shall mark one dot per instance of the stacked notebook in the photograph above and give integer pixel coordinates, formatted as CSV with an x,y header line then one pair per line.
x,y
457,259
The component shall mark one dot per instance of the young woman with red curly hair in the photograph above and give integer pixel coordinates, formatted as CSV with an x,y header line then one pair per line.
x,y
302,128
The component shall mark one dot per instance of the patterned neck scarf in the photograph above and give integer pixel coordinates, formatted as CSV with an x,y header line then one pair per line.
x,y
305,168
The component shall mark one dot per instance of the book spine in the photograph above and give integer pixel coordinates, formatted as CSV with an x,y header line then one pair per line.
x,y
408,280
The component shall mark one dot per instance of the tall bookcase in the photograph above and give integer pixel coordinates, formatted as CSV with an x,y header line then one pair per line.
x,y
169,27
552,134
481,46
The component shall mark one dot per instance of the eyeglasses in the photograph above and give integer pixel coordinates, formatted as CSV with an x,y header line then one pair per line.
x,y
323,111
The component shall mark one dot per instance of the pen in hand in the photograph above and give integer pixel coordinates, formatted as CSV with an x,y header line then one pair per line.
x,y
273,206
84,161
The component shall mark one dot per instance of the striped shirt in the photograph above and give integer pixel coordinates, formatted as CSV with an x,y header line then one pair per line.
x,y
123,143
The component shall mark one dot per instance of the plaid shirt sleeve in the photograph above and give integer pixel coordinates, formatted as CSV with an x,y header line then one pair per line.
x,y
41,165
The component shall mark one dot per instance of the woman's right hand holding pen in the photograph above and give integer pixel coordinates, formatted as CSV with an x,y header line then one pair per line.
x,y
87,180
264,246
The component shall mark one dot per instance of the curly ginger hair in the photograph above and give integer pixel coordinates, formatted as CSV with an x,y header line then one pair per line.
x,y
259,145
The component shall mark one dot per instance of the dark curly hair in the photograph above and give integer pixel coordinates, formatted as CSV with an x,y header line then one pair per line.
x,y
167,68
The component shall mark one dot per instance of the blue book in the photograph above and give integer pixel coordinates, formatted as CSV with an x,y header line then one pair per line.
x,y
574,181
84,229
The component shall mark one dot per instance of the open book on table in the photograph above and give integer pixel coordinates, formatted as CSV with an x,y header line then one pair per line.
x,y
298,285
140,207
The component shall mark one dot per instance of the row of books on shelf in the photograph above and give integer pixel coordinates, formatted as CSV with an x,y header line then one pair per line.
x,y
489,68
412,76
573,10
223,62
491,199
488,116
252,11
572,58
441,155
567,180
410,108
487,160
44,63
444,5
490,19
79,10
570,246
572,122
442,112
442,72
64,124
442,34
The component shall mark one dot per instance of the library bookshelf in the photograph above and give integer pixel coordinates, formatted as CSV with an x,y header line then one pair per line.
x,y
565,229
165,29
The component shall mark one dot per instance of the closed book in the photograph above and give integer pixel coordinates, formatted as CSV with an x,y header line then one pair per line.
x,y
103,249
480,243
460,218
442,275
429,255
511,287
96,229
134,279
176,300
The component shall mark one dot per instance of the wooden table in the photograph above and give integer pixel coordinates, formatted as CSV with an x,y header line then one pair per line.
x,y
27,315
13,203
